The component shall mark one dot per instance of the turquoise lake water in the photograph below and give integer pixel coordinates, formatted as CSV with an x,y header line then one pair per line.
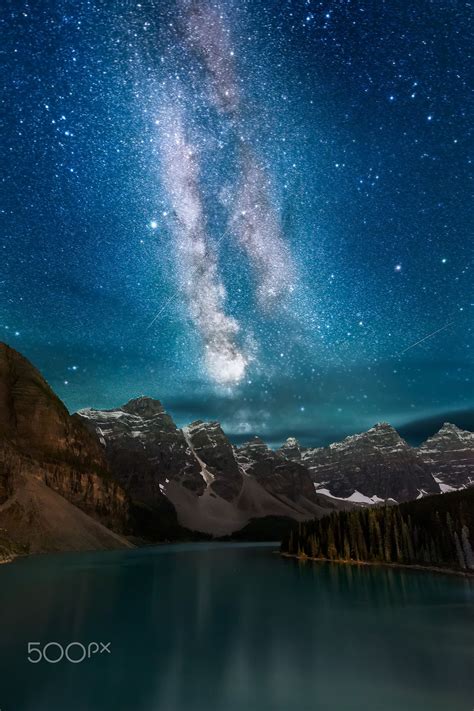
x,y
233,627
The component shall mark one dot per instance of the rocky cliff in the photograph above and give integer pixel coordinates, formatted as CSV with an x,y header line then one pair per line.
x,y
43,450
450,456
34,518
145,449
283,478
367,468
215,454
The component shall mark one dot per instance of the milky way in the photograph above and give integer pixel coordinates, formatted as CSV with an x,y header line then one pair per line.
x,y
206,32
253,219
202,288
255,223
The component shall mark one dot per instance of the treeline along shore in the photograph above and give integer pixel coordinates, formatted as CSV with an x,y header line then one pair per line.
x,y
433,532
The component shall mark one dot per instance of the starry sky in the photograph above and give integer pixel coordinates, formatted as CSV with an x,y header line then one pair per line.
x,y
258,212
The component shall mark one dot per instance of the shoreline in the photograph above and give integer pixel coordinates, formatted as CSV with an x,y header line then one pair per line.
x,y
405,566
5,561
157,544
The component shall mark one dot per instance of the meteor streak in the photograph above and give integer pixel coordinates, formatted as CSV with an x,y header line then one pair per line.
x,y
430,335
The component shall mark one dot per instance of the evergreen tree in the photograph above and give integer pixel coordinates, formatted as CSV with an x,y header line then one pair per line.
x,y
332,550
460,554
467,548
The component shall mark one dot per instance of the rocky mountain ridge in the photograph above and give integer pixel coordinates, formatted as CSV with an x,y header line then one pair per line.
x,y
450,455
231,485
214,487
378,464
369,467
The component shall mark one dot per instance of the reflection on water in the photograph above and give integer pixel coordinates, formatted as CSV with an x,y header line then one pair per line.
x,y
229,627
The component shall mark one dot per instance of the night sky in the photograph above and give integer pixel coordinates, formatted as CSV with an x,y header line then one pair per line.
x,y
253,210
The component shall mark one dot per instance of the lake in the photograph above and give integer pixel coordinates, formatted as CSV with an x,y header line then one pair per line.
x,y
231,627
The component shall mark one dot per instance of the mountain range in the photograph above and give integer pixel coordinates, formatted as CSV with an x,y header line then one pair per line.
x,y
215,488
378,464
107,478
